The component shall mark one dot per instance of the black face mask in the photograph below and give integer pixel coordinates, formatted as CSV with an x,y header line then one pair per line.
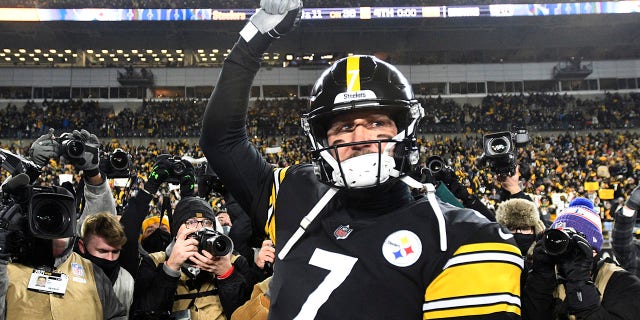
x,y
156,241
524,241
110,268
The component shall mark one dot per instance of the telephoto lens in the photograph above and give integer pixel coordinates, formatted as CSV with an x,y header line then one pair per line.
x,y
214,242
73,148
556,242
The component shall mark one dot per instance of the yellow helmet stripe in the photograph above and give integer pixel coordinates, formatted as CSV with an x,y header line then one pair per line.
x,y
353,73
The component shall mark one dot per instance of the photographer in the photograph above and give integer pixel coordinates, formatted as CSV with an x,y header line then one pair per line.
x,y
137,209
584,285
438,173
75,287
624,245
187,280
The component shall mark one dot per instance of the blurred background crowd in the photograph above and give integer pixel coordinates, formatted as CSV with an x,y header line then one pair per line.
x,y
554,166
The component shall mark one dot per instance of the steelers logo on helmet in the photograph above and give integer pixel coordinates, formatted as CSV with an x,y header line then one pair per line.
x,y
355,84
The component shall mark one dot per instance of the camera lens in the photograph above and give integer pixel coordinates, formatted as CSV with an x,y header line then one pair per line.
x,y
435,164
119,160
178,168
50,218
73,148
217,245
499,145
556,242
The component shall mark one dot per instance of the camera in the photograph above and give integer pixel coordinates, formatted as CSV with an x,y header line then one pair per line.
x,y
557,242
70,147
208,180
500,151
176,169
116,164
213,242
437,167
51,212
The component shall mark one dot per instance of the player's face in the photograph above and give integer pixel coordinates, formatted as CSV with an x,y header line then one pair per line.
x,y
360,126
97,247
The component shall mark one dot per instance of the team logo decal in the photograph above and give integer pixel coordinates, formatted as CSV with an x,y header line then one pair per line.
x,y
342,232
402,248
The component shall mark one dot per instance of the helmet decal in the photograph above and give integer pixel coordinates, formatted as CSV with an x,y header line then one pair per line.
x,y
353,73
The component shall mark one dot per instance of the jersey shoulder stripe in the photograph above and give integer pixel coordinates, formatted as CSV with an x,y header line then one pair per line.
x,y
270,226
480,278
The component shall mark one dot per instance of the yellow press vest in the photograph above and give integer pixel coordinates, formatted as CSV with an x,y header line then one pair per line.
x,y
80,301
204,307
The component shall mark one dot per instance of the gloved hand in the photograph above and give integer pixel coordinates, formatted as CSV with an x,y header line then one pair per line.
x,y
188,180
274,19
44,149
582,294
633,202
159,173
577,266
12,224
543,263
88,161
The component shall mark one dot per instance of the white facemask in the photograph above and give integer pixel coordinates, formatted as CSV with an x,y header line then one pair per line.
x,y
362,171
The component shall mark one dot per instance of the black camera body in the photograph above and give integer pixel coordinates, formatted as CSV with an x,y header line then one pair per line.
x,y
208,180
558,242
212,241
500,151
176,169
116,164
70,147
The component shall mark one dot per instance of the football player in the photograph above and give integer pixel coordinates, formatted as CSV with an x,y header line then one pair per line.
x,y
351,241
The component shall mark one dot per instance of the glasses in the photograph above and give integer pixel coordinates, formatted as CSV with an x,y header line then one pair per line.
x,y
193,223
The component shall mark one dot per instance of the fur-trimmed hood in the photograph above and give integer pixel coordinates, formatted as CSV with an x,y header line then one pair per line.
x,y
519,213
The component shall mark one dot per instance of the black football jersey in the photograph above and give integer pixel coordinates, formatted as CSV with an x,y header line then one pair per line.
x,y
390,266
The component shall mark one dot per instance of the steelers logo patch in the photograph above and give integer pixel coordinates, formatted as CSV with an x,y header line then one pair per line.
x,y
402,248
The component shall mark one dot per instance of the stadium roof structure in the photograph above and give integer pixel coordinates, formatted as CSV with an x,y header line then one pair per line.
x,y
460,39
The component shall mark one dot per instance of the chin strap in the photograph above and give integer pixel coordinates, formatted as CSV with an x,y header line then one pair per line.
x,y
431,196
306,221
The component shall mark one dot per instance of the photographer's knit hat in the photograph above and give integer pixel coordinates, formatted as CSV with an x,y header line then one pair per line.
x,y
581,216
519,214
190,207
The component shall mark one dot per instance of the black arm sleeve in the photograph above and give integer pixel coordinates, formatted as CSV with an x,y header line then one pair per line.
x,y
154,288
234,291
224,140
134,213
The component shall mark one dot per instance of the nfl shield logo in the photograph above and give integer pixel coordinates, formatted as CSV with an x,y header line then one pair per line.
x,y
342,232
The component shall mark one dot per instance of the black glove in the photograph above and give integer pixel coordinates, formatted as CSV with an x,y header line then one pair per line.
x,y
543,265
44,149
187,180
88,161
274,19
12,226
575,269
159,173
633,202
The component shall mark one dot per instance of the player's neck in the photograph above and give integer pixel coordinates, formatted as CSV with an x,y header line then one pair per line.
x,y
376,201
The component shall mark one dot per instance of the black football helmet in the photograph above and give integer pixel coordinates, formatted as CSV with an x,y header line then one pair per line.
x,y
363,83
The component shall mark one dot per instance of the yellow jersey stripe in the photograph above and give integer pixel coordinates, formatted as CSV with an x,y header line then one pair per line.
x,y
488,246
475,279
353,73
270,226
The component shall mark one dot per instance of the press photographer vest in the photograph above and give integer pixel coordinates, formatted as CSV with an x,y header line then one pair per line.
x,y
204,302
80,301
